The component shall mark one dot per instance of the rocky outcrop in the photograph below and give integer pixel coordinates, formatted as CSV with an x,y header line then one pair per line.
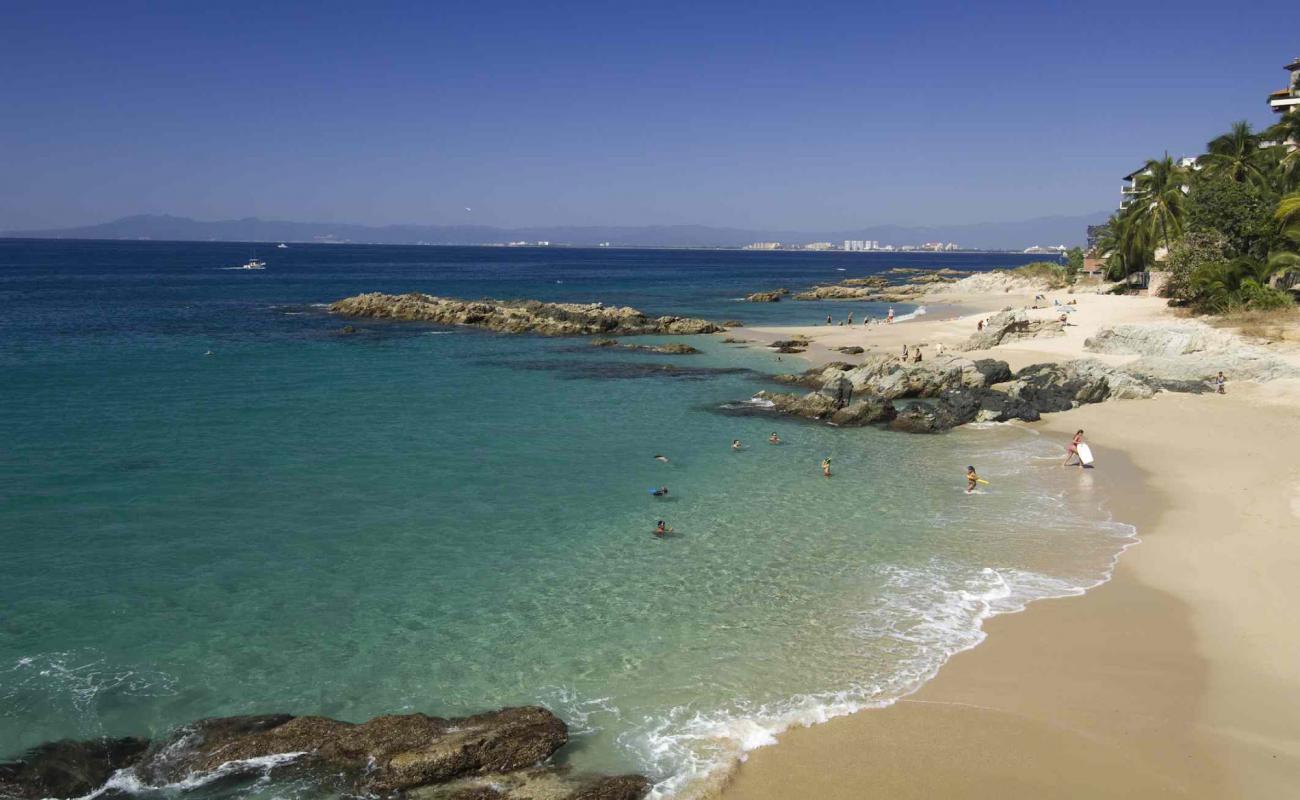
x,y
518,316
872,292
825,406
1189,351
384,756
851,350
1009,325
773,296
951,391
673,349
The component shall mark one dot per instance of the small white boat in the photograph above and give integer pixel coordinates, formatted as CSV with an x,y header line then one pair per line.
x,y
254,263
282,246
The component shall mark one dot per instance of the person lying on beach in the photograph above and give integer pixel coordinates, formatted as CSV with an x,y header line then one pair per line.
x,y
736,445
774,439
826,467
971,479
661,528
661,458
1072,449
662,491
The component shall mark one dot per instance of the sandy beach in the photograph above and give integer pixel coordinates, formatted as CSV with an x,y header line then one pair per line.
x,y
1180,677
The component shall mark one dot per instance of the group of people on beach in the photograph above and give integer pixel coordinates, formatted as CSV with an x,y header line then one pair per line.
x,y
848,320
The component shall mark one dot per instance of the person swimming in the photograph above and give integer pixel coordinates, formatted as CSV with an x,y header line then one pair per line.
x,y
774,439
736,445
661,529
662,491
661,458
972,479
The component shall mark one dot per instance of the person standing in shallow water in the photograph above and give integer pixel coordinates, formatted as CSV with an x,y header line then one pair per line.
x,y
1072,449
972,479
826,467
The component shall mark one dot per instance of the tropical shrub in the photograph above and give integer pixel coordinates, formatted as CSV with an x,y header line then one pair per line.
x,y
1194,249
1052,274
1242,213
1073,264
1219,287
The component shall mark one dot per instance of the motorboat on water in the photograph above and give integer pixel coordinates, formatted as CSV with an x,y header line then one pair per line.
x,y
282,246
254,263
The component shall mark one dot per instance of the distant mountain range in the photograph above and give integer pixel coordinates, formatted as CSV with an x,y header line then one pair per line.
x,y
1045,231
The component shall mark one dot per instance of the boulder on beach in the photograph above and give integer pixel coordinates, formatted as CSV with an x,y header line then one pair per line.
x,y
1008,325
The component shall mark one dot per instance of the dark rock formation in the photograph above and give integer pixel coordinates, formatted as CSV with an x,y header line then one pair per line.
x,y
481,756
773,296
733,340
67,768
852,350
674,349
518,316
348,329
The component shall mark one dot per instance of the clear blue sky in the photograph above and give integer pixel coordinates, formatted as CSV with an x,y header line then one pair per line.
x,y
774,115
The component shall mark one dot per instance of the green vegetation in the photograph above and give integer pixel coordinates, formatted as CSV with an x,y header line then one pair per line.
x,y
1051,273
1073,264
1225,228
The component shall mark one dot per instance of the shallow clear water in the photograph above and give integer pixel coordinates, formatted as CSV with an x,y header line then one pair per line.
x,y
422,519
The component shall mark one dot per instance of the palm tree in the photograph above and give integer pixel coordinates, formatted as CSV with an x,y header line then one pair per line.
x,y
1158,203
1287,135
1236,155
1288,216
1124,244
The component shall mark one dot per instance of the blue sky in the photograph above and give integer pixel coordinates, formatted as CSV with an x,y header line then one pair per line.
x,y
768,115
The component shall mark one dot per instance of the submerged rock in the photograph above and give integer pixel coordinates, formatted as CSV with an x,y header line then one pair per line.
x,y
773,296
518,316
67,768
673,349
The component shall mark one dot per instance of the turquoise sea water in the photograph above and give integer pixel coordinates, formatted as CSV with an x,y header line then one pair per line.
x,y
426,519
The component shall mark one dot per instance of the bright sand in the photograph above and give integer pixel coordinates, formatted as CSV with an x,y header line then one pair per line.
x,y
1179,677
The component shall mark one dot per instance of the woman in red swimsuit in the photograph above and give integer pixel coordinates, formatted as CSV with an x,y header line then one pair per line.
x,y
1072,451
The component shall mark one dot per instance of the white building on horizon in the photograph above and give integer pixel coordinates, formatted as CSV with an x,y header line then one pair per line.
x,y
859,245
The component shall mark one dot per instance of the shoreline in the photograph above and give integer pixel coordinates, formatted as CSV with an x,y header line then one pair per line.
x,y
1174,677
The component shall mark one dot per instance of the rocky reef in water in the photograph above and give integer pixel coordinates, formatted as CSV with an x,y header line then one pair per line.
x,y
674,349
500,755
518,316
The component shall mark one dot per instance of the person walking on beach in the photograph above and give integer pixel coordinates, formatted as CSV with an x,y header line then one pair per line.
x,y
1220,382
850,319
1072,449
828,319
889,318
826,467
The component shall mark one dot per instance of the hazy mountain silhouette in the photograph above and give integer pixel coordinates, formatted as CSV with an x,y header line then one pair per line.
x,y
1067,230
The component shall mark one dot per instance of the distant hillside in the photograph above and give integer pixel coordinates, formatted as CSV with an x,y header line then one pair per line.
x,y
993,235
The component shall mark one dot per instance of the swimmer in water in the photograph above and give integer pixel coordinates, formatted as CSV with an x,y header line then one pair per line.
x,y
736,445
774,439
661,458
972,479
661,529
662,491
826,467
